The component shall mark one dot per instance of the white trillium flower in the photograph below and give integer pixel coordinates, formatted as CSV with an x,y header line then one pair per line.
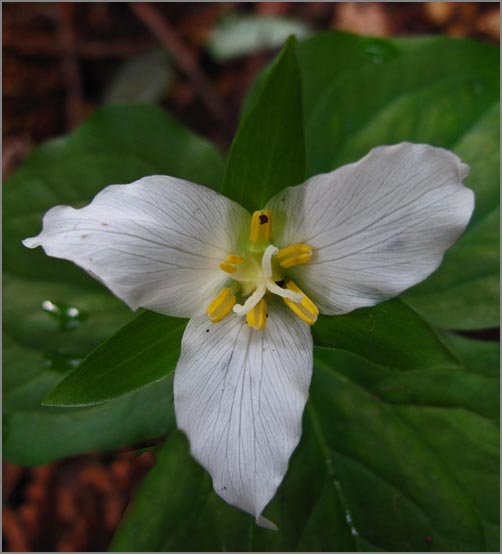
x,y
252,286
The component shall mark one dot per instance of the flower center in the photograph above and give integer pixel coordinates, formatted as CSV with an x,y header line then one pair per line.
x,y
259,272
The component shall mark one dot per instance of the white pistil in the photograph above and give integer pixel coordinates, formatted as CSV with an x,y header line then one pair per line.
x,y
266,267
251,301
285,293
266,261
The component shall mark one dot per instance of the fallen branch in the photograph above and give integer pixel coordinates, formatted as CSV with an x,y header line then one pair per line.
x,y
47,47
182,57
70,69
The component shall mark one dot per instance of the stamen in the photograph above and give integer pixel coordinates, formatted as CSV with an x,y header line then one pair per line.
x,y
221,306
294,255
261,226
227,268
257,317
306,310
251,301
234,259
228,265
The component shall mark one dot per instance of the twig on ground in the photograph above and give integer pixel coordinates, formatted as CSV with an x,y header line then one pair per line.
x,y
71,73
183,58
14,151
46,47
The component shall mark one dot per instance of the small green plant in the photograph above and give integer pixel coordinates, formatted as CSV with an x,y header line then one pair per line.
x,y
293,331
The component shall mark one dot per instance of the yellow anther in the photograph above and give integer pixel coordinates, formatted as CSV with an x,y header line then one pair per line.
x,y
230,262
294,255
261,226
228,268
234,259
221,306
306,310
257,316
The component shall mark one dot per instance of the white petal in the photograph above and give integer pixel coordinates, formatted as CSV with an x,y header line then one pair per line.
x,y
156,243
377,226
239,395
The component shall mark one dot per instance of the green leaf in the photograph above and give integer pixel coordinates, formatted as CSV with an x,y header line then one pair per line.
x,y
268,152
34,311
390,334
144,351
388,460
461,294
54,313
415,95
361,92
417,464
33,434
237,36
176,509
482,357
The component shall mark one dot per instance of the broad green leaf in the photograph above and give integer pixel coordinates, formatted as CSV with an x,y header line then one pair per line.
x,y
237,36
54,313
178,490
390,334
144,351
480,356
470,301
176,509
33,434
440,104
361,92
34,313
268,152
388,460
415,459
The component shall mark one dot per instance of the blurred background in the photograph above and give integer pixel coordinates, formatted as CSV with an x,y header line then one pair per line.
x,y
61,61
